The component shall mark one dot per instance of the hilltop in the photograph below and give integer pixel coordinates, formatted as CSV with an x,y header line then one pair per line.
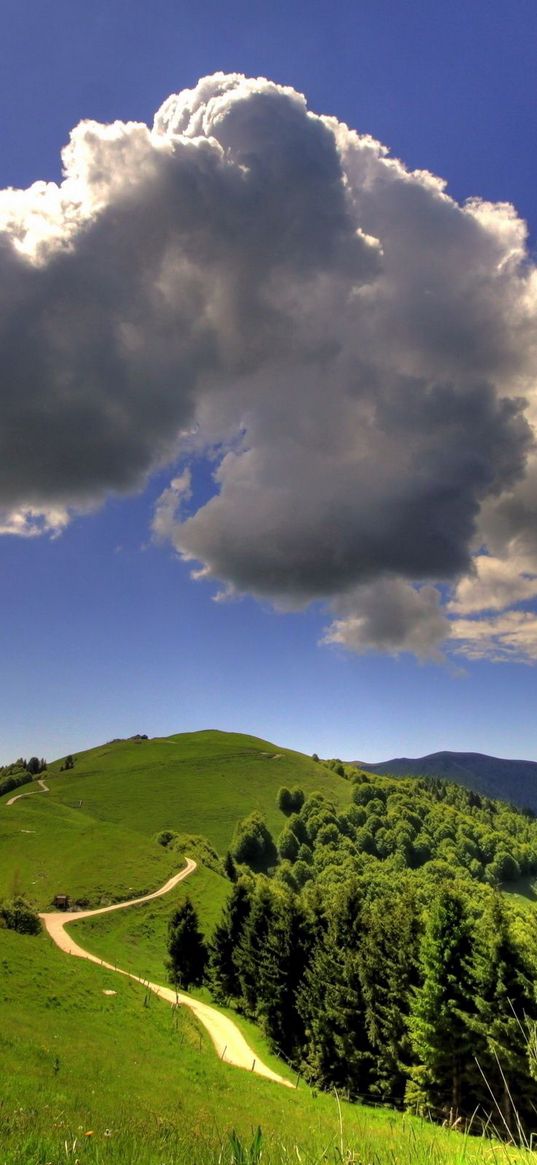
x,y
507,780
93,835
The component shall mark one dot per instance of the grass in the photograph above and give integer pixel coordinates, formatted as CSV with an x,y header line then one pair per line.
x,y
145,1082
136,938
85,1051
94,833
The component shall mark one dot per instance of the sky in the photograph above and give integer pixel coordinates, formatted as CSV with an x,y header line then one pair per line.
x,y
267,374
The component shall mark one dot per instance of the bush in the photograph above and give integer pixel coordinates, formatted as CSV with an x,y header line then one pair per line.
x,y
290,800
20,916
253,843
14,781
165,837
288,845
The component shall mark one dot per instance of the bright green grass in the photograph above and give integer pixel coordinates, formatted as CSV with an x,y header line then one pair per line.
x,y
136,938
75,1060
93,834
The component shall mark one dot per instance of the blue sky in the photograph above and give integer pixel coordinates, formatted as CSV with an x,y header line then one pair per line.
x,y
103,631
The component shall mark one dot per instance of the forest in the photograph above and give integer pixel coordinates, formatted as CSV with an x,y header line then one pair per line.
x,y
378,952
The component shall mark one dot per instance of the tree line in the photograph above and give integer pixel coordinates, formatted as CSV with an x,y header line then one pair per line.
x,y
20,772
377,952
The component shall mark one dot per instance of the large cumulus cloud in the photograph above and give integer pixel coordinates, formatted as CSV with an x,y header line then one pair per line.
x,y
354,350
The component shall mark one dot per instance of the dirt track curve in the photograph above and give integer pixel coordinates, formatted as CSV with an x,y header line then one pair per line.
x,y
230,1045
19,796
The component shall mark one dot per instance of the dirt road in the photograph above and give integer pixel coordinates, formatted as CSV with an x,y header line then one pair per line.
x,y
19,796
229,1043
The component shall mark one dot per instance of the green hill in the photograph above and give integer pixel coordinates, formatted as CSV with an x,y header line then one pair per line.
x,y
142,1080
93,835
145,1083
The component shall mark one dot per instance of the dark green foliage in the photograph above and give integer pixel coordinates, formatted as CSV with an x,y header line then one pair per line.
x,y
507,1009
13,780
224,949
69,763
290,800
230,868
288,845
36,766
187,953
20,916
337,1049
283,961
284,800
442,1020
165,837
253,844
389,971
373,957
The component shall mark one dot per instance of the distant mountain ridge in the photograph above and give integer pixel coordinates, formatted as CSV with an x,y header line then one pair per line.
x,y
508,780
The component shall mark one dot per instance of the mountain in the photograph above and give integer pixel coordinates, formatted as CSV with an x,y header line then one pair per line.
x,y
508,780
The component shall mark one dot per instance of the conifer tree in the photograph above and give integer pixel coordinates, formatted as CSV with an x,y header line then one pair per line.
x,y
186,948
444,1009
331,1002
223,968
506,1009
389,974
282,962
253,939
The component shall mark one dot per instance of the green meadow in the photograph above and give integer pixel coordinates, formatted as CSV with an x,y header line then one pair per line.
x,y
93,835
94,1068
123,1078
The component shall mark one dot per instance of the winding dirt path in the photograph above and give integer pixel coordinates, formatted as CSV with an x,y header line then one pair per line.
x,y
229,1043
19,796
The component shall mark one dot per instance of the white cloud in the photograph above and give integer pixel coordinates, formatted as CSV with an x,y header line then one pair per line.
x,y
30,523
356,352
510,637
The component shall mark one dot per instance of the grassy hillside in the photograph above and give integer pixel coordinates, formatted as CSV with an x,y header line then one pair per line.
x,y
145,1082
93,835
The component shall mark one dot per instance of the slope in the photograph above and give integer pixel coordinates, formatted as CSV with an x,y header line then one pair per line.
x,y
85,1051
93,835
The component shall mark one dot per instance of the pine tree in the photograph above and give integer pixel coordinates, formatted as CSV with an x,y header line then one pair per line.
x,y
338,1051
253,939
282,962
186,948
506,1009
444,1009
230,867
223,965
388,959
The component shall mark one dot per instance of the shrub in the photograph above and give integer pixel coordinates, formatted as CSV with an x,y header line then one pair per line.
x,y
20,916
253,843
165,837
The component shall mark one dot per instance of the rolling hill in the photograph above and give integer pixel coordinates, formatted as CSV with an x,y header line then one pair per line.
x,y
94,833
508,780
94,1069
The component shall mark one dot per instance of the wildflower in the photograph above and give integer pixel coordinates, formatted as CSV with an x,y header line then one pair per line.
x,y
108,1132
90,1133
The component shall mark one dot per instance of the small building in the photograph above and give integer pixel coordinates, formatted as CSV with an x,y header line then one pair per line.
x,y
61,901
